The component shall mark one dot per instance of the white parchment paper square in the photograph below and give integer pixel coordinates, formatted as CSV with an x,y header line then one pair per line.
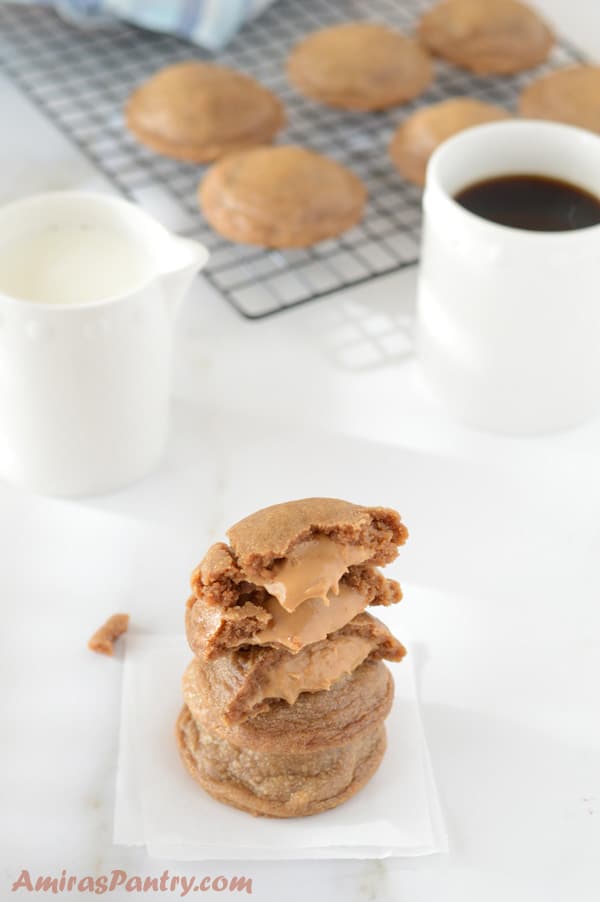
x,y
159,805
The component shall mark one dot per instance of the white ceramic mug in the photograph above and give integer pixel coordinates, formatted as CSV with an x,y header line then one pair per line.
x,y
508,321
85,370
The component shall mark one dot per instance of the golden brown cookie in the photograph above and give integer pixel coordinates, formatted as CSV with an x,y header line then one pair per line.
x,y
245,682
566,95
418,136
278,785
326,535
200,111
281,197
294,574
272,532
359,66
496,37
259,619
261,540
317,720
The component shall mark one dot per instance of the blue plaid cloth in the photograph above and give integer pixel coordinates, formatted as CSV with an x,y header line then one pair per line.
x,y
210,23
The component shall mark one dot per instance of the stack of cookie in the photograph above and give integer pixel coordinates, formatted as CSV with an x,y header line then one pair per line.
x,y
287,694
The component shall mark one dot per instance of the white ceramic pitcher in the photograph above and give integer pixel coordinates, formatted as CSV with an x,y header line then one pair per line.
x,y
85,381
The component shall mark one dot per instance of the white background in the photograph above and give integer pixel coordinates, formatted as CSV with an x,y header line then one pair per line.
x,y
501,586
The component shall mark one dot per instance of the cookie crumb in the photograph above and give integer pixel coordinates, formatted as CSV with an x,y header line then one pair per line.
x,y
104,638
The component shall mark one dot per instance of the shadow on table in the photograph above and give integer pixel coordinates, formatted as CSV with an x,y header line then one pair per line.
x,y
372,328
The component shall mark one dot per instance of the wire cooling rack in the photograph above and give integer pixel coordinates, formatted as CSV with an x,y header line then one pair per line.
x,y
80,78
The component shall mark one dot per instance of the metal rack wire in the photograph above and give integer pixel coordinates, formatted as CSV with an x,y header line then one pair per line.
x,y
81,78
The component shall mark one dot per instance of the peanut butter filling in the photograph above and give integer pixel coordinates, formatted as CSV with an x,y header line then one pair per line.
x,y
313,671
312,570
312,621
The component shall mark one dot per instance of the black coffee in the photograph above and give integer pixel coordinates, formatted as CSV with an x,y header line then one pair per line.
x,y
532,202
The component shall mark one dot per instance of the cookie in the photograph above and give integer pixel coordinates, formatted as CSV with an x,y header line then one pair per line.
x,y
418,136
318,720
198,112
359,66
259,619
566,95
292,553
245,682
288,785
294,574
319,527
497,37
281,197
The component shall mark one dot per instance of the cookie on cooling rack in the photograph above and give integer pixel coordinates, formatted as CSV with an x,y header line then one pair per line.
x,y
418,136
497,37
567,95
359,66
281,197
198,111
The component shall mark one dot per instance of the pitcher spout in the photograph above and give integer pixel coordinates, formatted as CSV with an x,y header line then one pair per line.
x,y
184,261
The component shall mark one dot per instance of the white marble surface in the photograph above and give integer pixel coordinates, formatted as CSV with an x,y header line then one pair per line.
x,y
500,577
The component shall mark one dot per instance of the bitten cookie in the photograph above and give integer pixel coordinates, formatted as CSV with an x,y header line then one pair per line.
x,y
359,66
281,197
358,701
246,682
259,619
418,136
311,563
199,111
329,534
567,95
497,37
